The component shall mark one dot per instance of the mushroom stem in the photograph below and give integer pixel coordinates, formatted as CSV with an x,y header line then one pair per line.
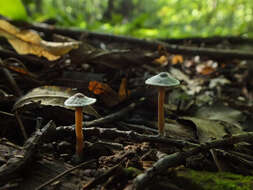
x,y
79,130
161,95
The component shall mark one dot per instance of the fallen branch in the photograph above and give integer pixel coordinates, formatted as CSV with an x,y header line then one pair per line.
x,y
173,160
18,162
113,133
146,44
114,116
213,40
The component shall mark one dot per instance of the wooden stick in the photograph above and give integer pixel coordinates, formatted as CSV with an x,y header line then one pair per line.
x,y
18,162
175,159
113,133
147,44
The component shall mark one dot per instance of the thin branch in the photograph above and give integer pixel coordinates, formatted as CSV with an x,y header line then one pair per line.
x,y
102,178
148,44
84,164
114,133
114,116
18,162
178,158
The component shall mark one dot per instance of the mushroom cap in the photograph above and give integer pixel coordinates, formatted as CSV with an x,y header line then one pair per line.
x,y
162,79
79,100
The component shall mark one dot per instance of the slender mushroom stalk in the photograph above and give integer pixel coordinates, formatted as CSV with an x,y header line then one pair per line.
x,y
79,130
78,101
162,81
161,95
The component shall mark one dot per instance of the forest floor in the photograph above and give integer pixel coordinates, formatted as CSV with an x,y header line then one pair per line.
x,y
208,138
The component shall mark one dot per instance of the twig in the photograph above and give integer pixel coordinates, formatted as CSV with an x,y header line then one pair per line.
x,y
102,178
214,40
236,158
216,160
21,125
12,82
84,164
18,162
114,133
7,114
148,45
114,116
138,127
9,186
178,158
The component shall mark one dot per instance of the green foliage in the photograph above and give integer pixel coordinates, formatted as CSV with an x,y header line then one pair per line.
x,y
13,9
150,18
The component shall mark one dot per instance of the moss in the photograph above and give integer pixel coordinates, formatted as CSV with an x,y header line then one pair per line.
x,y
219,180
131,171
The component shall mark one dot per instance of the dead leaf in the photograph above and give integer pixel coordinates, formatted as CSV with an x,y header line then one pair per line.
x,y
219,81
49,96
218,111
177,59
105,92
163,60
207,68
98,87
17,66
194,86
178,130
123,92
211,129
29,42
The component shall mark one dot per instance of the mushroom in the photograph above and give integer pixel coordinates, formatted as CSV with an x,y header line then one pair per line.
x,y
162,80
78,101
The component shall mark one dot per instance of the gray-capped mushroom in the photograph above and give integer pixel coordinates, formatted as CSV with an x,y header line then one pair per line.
x,y
78,101
161,81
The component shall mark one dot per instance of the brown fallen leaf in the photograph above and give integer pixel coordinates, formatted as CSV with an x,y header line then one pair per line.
x,y
49,96
207,68
177,59
16,66
123,92
163,60
105,92
29,42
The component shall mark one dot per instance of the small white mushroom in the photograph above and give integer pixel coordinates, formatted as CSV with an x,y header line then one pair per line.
x,y
78,101
162,80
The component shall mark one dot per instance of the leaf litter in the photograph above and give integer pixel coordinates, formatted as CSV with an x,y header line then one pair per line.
x,y
207,118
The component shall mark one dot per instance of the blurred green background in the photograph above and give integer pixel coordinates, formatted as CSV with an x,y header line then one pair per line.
x,y
142,18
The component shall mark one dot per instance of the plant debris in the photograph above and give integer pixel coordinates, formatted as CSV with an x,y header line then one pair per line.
x,y
207,118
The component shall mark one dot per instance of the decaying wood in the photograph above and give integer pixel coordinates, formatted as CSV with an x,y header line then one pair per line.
x,y
214,40
112,133
18,162
234,156
178,158
146,44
